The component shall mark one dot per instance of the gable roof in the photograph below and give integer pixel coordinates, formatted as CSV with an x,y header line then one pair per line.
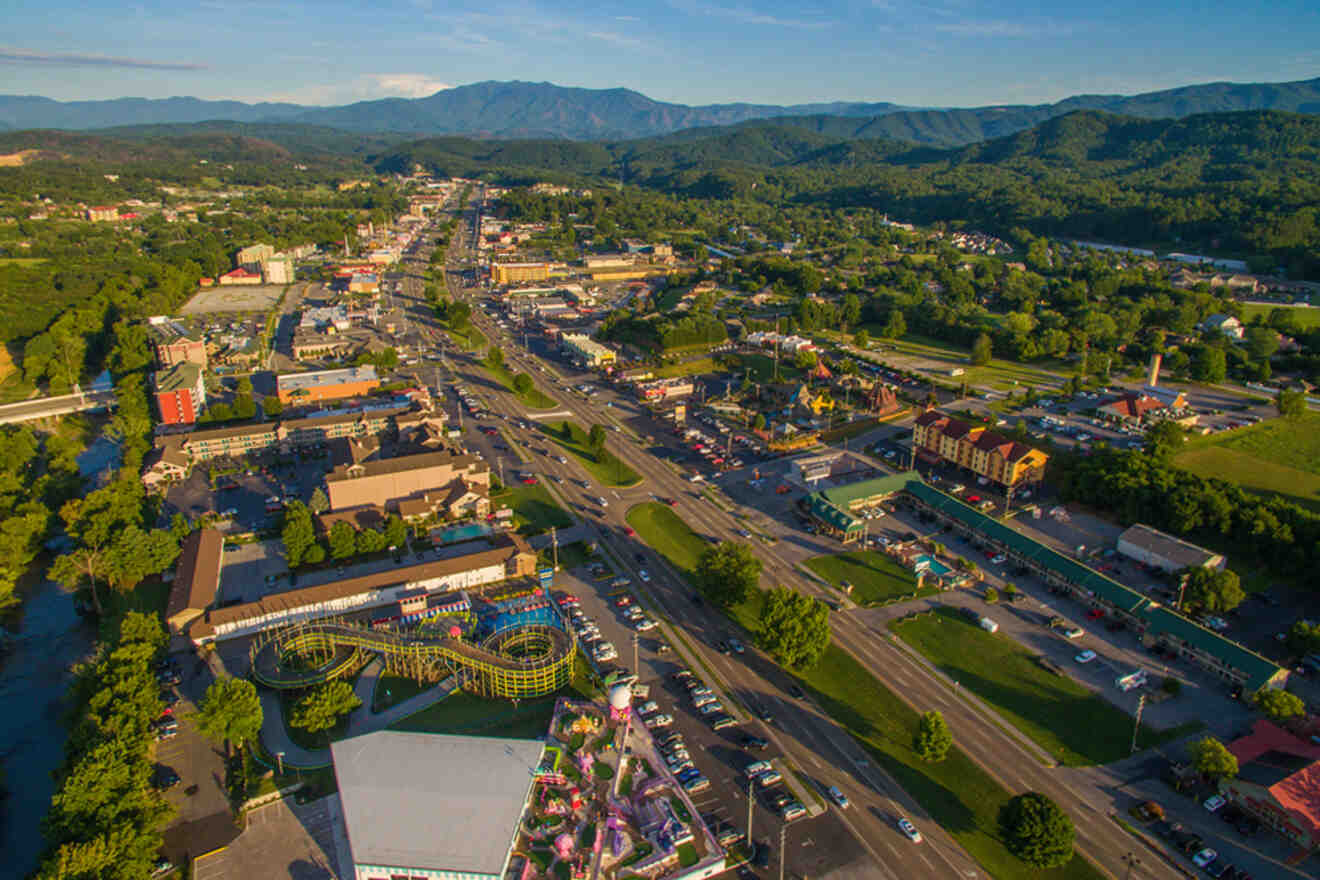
x,y
197,575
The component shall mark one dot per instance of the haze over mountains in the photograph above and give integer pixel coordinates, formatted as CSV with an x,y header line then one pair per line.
x,y
543,110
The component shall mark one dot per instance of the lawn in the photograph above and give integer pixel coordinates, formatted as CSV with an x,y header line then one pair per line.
x,y
571,556
607,467
1306,317
534,510
534,399
998,373
1071,722
959,795
761,368
686,368
849,430
1273,457
875,578
469,338
392,690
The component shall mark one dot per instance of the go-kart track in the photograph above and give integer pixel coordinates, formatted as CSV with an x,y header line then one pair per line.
x,y
516,662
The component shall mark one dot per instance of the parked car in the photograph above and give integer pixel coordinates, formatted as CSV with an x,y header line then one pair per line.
x,y
909,830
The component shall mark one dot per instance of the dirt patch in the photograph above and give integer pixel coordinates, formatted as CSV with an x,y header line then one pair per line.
x,y
11,160
7,365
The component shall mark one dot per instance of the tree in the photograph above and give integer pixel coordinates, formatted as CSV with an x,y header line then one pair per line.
x,y
1304,638
1164,439
596,439
758,423
1291,404
727,573
806,359
136,554
1278,705
1212,590
298,534
523,384
343,540
794,628
991,595
895,326
318,503
272,406
245,385
230,712
323,705
1210,364
1010,592
933,738
861,339
1212,759
982,350
218,412
1037,830
494,358
369,541
244,406
1262,343
94,522
396,532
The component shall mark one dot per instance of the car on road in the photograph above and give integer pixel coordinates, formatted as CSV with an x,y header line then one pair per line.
x,y
737,646
672,502
600,499
998,559
644,575
744,533
840,799
1074,632
630,531
909,830
751,741
1085,657
1204,857
166,779
796,692
625,600
1215,803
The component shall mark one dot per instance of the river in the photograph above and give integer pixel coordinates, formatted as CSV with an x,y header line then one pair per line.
x,y
34,679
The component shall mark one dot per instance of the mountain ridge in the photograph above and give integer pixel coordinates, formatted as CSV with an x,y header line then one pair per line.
x,y
517,109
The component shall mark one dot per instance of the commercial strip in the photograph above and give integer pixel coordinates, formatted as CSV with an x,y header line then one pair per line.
x,y
587,351
835,509
301,389
1278,782
432,805
462,566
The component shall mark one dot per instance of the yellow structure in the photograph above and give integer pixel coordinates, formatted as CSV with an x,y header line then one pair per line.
x,y
515,663
984,452
629,273
510,273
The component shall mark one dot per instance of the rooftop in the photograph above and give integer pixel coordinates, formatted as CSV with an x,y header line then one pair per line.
x,y
324,378
433,801
1184,553
402,464
197,576
180,376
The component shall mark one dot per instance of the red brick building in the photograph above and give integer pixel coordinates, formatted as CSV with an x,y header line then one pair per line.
x,y
180,393
1278,782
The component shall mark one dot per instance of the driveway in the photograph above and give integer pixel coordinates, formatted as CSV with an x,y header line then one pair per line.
x,y
284,840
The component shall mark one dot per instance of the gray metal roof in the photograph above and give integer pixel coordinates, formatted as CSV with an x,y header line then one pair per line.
x,y
433,801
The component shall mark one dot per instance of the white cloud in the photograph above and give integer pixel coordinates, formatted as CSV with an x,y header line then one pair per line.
x,y
71,59
991,28
614,39
407,85
744,15
368,87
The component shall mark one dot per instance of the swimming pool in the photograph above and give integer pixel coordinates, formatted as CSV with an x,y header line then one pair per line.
x,y
931,564
467,532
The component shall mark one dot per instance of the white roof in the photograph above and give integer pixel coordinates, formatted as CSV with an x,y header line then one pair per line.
x,y
290,381
433,801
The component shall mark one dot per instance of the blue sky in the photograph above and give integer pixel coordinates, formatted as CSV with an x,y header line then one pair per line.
x,y
937,53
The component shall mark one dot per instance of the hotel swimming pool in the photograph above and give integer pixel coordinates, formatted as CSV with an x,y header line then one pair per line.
x,y
454,534
929,563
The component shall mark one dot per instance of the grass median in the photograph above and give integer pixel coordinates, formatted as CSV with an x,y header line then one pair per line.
x,y
957,792
1067,719
534,511
605,466
534,398
875,578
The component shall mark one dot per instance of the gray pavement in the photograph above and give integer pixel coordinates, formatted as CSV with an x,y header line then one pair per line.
x,y
284,840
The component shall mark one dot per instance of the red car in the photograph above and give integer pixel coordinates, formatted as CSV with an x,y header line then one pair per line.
x,y
623,601
973,498
630,531
672,502
1094,614
529,480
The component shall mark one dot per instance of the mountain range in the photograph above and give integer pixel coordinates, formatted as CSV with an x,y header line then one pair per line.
x,y
543,110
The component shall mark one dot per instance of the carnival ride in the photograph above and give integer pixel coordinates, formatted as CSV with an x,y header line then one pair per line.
x,y
518,661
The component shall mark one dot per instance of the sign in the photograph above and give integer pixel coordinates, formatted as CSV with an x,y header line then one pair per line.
x,y
546,576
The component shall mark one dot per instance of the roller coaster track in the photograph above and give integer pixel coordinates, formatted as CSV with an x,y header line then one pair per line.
x,y
517,662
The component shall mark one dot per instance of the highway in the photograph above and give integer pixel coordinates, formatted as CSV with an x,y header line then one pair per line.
x,y
817,745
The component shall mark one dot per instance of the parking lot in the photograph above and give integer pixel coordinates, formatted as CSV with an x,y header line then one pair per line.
x,y
243,487
815,845
284,840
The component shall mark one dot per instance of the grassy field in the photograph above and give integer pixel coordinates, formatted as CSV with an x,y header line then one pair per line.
x,y
470,715
1305,317
394,689
1274,457
939,358
607,467
22,261
959,795
534,510
762,368
875,577
534,399
687,368
1070,721
471,338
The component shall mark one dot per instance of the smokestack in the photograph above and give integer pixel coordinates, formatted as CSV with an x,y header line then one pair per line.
x,y
1154,378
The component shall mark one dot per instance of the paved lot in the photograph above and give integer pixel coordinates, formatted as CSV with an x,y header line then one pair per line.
x,y
284,840
233,298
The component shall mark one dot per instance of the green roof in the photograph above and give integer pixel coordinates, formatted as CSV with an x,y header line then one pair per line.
x,y
1160,620
182,375
839,519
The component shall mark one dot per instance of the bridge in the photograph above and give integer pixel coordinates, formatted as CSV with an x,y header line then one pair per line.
x,y
48,407
520,661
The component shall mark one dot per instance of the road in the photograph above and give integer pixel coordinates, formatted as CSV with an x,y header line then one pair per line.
x,y
46,407
801,730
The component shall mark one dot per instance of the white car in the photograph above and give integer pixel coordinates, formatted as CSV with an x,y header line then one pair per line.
x,y
704,700
600,499
655,722
1214,803
1075,632
644,624
1204,857
1085,657
999,559
648,707
644,575
909,830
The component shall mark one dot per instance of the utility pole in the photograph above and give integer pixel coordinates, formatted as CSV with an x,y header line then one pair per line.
x,y
751,805
554,543
1136,727
783,856
637,669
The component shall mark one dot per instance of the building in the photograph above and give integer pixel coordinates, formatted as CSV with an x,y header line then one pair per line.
x,y
1278,782
1156,548
239,276
986,453
196,579
513,273
429,805
662,390
1225,324
309,344
387,482
1154,623
277,270
302,389
165,464
462,566
253,256
586,351
174,344
180,393
1133,407
103,213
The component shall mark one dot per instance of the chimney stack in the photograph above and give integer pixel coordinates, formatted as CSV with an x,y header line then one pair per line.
x,y
1153,379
